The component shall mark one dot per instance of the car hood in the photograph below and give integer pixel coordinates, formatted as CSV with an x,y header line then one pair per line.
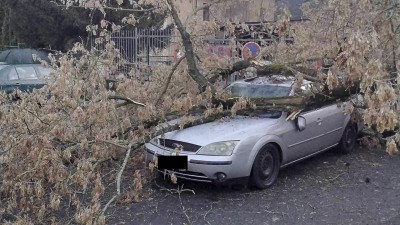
x,y
236,128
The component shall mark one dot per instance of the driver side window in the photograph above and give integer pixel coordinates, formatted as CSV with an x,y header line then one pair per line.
x,y
305,90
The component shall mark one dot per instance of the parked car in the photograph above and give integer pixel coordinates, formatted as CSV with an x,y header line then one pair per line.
x,y
24,77
253,149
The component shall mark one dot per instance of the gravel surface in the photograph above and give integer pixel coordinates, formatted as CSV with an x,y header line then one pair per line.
x,y
362,187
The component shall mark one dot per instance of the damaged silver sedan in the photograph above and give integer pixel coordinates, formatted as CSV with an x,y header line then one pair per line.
x,y
253,149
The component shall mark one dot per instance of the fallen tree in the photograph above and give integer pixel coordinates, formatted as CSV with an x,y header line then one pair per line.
x,y
83,136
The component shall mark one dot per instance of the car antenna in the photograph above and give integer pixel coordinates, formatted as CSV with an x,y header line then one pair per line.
x,y
250,79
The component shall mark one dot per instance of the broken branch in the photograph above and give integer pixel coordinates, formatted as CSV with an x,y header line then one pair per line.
x,y
169,79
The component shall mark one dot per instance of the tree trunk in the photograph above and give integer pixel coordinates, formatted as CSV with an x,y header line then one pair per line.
x,y
189,52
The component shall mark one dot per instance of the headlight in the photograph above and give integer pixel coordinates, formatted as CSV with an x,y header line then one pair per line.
x,y
218,148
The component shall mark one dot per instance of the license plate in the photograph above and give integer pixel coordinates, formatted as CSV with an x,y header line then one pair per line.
x,y
172,162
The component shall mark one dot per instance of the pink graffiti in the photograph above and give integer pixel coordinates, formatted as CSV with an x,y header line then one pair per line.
x,y
219,50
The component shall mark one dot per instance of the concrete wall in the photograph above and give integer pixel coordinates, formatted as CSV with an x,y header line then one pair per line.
x,y
233,10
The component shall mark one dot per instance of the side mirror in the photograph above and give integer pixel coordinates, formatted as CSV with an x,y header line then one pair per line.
x,y
301,123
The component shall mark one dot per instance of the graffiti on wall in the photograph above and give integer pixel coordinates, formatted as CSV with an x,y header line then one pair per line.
x,y
223,51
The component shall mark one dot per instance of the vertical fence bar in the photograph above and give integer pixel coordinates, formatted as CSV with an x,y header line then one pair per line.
x,y
135,52
147,47
132,43
118,45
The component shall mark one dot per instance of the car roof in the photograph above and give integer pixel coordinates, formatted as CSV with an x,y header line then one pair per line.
x,y
270,80
279,80
6,65
25,64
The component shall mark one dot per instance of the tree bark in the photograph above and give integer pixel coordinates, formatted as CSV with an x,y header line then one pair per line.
x,y
189,52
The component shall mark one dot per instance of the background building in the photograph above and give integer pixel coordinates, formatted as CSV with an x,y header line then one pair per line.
x,y
249,11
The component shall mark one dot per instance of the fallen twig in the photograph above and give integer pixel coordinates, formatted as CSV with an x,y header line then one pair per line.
x,y
127,101
118,180
208,211
128,153
183,207
336,177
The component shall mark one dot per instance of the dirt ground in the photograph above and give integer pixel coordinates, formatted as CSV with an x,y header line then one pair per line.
x,y
362,187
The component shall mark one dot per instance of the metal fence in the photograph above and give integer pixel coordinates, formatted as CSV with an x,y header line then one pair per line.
x,y
143,47
146,47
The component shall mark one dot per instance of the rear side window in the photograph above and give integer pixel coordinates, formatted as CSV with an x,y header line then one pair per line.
x,y
13,75
306,89
26,72
43,71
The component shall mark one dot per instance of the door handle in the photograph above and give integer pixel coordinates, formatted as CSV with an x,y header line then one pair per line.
x,y
319,121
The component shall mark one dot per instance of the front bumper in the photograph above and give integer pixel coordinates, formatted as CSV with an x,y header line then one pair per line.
x,y
202,168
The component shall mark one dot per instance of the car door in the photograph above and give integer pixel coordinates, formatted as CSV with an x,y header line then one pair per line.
x,y
4,83
9,79
28,79
324,126
333,118
303,143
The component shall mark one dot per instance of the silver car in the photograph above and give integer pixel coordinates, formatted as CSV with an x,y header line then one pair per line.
x,y
24,77
253,149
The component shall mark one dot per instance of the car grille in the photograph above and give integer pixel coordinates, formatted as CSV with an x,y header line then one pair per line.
x,y
172,144
188,175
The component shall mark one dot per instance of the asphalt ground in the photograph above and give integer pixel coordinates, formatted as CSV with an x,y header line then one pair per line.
x,y
362,187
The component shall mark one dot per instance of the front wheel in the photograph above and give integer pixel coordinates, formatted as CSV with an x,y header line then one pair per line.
x,y
348,140
265,167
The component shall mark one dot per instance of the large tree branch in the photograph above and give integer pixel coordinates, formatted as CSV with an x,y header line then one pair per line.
x,y
308,74
277,103
189,52
240,65
267,70
286,104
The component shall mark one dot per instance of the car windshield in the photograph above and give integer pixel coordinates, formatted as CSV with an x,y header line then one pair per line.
x,y
258,91
2,66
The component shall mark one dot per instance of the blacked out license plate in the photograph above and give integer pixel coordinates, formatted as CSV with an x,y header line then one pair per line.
x,y
172,162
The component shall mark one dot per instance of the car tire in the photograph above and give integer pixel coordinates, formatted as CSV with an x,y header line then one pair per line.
x,y
348,140
265,167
